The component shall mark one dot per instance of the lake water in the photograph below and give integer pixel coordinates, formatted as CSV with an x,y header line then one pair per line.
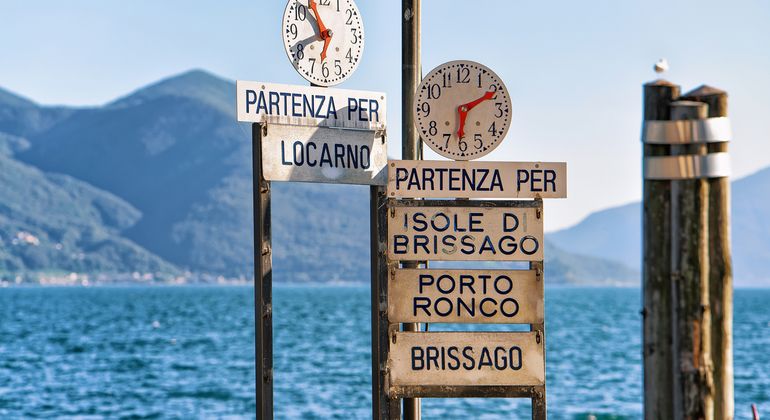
x,y
188,352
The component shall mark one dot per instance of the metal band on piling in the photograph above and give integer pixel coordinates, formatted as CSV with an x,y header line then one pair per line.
x,y
712,165
709,130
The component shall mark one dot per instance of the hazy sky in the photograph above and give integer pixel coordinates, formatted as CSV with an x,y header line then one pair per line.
x,y
574,68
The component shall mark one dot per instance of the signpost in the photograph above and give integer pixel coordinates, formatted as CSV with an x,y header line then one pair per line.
x,y
313,134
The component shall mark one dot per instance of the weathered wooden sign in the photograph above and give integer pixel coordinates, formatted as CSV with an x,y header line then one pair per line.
x,y
311,106
322,154
466,359
465,296
449,179
465,233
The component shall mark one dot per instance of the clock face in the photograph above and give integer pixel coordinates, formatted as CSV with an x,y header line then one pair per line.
x,y
324,39
462,110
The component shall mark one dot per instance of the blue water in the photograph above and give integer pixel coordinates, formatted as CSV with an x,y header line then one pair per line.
x,y
182,352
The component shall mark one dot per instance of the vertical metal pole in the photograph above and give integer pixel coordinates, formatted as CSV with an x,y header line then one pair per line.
x,y
656,268
720,273
411,145
539,411
263,281
383,407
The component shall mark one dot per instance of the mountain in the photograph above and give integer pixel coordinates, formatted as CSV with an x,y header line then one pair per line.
x,y
175,166
58,223
615,233
20,116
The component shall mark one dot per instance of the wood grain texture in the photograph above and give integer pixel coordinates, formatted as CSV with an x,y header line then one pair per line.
x,y
656,268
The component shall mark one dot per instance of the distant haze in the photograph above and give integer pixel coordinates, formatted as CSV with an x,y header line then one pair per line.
x,y
574,69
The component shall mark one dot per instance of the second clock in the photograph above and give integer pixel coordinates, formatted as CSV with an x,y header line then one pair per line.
x,y
462,110
324,39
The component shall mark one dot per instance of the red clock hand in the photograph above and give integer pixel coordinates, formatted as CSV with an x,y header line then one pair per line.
x,y
326,34
464,109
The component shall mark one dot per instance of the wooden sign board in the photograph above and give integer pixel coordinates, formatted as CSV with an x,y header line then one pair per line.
x,y
471,179
425,233
466,359
465,296
273,103
322,154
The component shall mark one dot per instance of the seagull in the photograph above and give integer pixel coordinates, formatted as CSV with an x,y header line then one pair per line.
x,y
661,66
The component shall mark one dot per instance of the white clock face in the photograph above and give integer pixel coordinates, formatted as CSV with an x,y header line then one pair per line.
x,y
324,39
462,110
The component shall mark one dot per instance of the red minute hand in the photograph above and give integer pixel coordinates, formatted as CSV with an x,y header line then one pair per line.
x,y
464,109
326,34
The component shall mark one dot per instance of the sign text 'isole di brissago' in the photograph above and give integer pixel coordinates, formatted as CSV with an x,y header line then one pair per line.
x,y
465,234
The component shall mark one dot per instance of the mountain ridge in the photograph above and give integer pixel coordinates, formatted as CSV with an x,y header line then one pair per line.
x,y
173,151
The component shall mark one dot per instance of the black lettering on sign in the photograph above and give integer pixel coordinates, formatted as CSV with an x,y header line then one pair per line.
x,y
452,358
311,154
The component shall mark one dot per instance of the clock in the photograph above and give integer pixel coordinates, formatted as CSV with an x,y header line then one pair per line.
x,y
462,110
323,39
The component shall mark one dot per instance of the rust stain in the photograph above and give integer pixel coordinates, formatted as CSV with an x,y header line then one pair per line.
x,y
696,344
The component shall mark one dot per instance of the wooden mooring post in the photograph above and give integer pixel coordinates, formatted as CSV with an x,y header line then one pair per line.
x,y
687,272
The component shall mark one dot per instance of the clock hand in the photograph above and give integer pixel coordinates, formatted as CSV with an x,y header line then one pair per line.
x,y
326,34
464,109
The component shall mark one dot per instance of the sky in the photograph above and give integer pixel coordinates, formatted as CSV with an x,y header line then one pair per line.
x,y
575,70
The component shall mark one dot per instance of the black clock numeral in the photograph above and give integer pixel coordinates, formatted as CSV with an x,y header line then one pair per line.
x,y
463,145
293,31
492,129
350,17
478,141
349,55
424,108
434,91
300,13
432,128
447,137
447,80
338,5
312,64
300,51
479,80
324,70
499,106
337,67
325,2
463,75
355,35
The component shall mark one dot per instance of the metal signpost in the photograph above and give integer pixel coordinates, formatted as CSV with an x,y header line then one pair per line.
x,y
462,109
420,364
